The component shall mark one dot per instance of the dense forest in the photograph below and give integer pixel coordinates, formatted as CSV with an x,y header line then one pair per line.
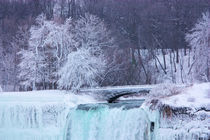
x,y
69,44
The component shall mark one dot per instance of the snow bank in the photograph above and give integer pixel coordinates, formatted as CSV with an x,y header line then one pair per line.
x,y
183,111
165,90
44,97
195,96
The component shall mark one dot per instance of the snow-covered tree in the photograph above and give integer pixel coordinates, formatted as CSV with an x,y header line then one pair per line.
x,y
199,40
50,43
21,38
58,44
31,65
60,39
85,66
20,41
82,69
92,33
75,45
28,68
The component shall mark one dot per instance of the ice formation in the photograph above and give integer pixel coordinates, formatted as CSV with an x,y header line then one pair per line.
x,y
36,115
56,115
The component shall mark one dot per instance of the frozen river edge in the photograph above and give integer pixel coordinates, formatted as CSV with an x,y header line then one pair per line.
x,y
42,114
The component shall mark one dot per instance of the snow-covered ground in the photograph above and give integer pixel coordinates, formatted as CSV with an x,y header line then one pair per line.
x,y
184,112
195,96
45,97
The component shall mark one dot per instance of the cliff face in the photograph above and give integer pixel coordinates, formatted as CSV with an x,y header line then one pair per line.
x,y
184,115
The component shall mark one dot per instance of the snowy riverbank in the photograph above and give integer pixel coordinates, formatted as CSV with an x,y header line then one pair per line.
x,y
178,112
183,112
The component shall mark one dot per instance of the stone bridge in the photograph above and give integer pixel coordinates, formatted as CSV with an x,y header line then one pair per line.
x,y
111,94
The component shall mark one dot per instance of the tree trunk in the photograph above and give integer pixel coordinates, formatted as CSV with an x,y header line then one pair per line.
x,y
133,56
159,63
208,76
174,62
164,59
141,63
177,55
185,51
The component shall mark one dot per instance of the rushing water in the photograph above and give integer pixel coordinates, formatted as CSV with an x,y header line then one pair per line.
x,y
54,121
121,121
125,120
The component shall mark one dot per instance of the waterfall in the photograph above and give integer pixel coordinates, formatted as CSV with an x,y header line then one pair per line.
x,y
126,120
64,117
25,121
53,118
122,121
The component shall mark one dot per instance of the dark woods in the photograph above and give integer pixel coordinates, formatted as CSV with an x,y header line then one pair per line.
x,y
144,30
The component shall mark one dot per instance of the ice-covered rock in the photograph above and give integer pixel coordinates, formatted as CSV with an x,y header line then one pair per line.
x,y
184,113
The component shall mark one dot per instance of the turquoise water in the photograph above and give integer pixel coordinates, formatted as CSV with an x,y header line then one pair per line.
x,y
120,121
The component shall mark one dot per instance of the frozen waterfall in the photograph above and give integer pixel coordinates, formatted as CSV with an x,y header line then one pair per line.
x,y
118,121
30,122
73,117
33,115
50,118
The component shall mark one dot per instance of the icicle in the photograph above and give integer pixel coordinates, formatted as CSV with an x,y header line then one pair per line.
x,y
28,121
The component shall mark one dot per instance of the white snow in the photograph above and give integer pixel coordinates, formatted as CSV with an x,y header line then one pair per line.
x,y
182,126
130,88
46,97
165,90
195,96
